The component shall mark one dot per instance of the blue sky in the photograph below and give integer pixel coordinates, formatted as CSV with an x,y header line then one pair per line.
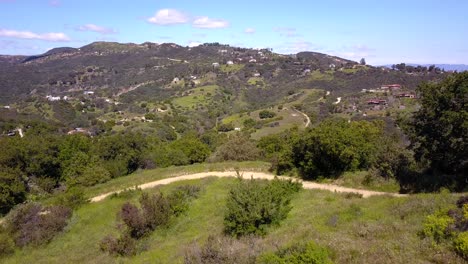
x,y
381,31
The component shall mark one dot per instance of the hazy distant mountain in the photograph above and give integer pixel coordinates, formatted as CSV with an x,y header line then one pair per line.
x,y
452,67
447,67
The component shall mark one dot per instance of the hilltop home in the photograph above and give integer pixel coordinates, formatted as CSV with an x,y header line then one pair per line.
x,y
53,98
390,86
215,64
407,95
377,102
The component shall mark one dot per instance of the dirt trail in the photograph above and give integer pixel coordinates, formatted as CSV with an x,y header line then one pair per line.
x,y
306,116
255,175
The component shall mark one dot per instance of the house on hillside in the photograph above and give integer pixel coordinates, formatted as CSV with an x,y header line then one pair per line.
x,y
390,86
215,64
229,62
53,98
377,102
406,95
88,93
79,130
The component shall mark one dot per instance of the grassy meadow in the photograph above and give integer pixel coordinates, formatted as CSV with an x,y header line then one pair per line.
x,y
355,230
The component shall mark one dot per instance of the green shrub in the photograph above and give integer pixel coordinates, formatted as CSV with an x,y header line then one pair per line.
x,y
238,147
461,244
336,146
12,189
254,205
224,249
93,175
308,253
72,198
266,114
7,245
436,226
180,197
33,224
125,245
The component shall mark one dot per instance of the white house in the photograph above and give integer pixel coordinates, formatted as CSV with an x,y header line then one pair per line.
x,y
253,60
229,62
88,92
53,98
215,64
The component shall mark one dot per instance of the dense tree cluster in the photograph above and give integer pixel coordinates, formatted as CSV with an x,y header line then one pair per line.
x,y
46,161
440,129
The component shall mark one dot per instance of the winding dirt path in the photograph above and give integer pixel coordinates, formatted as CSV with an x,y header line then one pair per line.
x,y
255,175
306,116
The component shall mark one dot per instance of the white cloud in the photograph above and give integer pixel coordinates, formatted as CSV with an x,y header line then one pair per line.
x,y
96,28
194,44
249,30
206,22
169,17
52,36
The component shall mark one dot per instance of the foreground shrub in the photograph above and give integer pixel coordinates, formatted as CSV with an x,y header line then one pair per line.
x,y
450,226
33,224
461,244
253,205
181,196
72,198
436,226
224,250
12,189
7,245
308,253
122,246
155,211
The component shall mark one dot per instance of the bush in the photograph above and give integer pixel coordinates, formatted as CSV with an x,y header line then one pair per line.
x,y
7,245
93,175
309,253
72,198
461,244
436,226
222,249
238,147
154,212
33,224
266,114
225,127
12,189
180,197
336,146
125,245
450,226
249,123
254,205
